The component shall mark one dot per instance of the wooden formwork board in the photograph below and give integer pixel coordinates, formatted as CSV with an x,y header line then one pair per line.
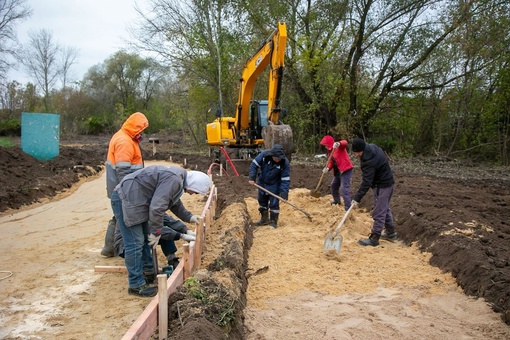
x,y
147,322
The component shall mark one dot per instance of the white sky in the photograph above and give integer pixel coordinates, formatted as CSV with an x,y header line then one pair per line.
x,y
96,28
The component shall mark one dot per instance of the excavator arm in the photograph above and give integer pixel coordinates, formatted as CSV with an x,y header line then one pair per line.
x,y
271,53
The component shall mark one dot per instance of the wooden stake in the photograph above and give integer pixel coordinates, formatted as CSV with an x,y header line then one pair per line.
x,y
185,257
163,306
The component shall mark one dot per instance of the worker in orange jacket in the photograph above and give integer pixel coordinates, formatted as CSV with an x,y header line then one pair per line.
x,y
124,157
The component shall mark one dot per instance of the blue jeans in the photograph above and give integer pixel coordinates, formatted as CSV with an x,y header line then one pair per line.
x,y
137,253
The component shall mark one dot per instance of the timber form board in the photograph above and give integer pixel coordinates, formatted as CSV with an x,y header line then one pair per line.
x,y
146,324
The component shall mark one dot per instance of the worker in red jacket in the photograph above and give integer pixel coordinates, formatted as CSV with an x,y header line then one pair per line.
x,y
341,165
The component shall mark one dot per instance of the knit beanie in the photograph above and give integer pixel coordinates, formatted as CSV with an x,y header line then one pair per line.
x,y
358,145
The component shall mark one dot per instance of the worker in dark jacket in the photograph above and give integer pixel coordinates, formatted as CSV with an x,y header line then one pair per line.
x,y
274,176
376,174
140,202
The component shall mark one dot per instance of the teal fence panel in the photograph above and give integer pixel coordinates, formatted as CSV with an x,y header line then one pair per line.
x,y
40,135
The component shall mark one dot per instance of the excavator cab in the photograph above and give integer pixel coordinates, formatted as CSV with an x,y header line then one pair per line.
x,y
258,118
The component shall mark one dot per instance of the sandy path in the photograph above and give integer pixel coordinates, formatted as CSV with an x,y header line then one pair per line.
x,y
361,293
52,250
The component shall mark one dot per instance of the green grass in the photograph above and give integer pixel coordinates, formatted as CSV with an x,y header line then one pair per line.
x,y
6,142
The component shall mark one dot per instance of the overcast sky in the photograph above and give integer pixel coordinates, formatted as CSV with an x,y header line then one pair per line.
x,y
97,28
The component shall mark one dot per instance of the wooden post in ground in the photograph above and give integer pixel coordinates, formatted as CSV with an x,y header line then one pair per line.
x,y
162,306
199,242
214,201
185,258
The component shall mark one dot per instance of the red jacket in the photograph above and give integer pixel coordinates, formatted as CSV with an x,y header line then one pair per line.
x,y
340,162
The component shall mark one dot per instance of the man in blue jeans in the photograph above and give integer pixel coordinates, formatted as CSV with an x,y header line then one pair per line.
x,y
139,203
376,174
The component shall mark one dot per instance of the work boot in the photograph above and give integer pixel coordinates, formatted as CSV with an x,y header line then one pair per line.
x,y
334,202
264,214
389,235
273,220
144,291
108,239
373,240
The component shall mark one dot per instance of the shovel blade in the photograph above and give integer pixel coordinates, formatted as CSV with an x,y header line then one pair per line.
x,y
333,243
315,193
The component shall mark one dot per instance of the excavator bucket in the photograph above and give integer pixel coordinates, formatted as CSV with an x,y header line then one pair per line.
x,y
278,134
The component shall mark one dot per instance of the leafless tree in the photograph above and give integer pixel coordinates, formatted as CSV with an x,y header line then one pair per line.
x,y
41,59
68,56
11,13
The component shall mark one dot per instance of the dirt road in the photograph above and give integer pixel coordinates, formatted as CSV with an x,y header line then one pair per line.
x,y
51,251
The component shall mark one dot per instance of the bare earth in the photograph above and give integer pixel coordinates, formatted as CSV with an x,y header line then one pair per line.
x,y
293,289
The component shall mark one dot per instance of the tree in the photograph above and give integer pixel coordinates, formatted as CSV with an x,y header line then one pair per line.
x,y
11,12
123,83
68,57
204,44
42,62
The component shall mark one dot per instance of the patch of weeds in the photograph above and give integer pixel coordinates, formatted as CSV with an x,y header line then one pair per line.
x,y
6,142
194,289
215,301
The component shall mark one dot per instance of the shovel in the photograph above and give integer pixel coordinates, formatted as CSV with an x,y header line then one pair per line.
x,y
283,200
333,241
316,193
155,259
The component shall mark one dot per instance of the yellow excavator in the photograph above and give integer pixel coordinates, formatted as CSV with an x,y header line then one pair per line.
x,y
256,125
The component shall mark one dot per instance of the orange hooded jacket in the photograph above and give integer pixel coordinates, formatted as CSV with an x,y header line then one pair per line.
x,y
124,154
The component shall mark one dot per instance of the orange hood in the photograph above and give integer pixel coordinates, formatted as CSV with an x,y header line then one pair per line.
x,y
135,124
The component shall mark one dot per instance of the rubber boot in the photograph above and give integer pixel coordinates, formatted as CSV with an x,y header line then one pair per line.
x,y
389,235
264,214
373,240
108,239
273,220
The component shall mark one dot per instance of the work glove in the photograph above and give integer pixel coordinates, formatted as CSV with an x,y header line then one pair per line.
x,y
191,233
354,203
194,219
188,238
336,145
153,239
284,195
325,170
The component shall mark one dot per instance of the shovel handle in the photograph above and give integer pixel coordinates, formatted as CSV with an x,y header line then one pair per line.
x,y
283,200
322,176
343,220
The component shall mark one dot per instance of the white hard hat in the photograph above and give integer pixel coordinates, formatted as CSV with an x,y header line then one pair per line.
x,y
198,182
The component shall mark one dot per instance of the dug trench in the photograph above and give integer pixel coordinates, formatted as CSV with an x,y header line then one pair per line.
x,y
261,269
260,282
